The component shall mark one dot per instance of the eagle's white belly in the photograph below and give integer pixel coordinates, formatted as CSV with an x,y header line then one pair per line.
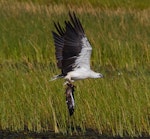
x,y
79,74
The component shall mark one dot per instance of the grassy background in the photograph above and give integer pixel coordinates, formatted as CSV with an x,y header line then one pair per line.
x,y
119,32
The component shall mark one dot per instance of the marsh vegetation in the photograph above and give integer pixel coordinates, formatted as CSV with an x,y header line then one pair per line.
x,y
118,105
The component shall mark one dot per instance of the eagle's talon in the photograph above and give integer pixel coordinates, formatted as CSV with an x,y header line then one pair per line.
x,y
66,83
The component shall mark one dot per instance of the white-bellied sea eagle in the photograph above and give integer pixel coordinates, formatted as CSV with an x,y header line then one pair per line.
x,y
73,53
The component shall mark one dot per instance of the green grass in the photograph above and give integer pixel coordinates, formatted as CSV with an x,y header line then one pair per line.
x,y
138,4
119,104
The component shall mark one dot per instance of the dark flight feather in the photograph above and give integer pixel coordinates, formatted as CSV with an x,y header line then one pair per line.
x,y
68,43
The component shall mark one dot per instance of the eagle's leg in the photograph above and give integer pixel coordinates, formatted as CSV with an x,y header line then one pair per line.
x,y
68,80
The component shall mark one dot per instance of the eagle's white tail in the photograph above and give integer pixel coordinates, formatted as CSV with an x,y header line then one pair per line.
x,y
56,77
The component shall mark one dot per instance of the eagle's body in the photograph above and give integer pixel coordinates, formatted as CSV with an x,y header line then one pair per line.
x,y
73,51
80,74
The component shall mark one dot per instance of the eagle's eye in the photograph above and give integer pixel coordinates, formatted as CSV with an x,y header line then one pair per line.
x,y
100,75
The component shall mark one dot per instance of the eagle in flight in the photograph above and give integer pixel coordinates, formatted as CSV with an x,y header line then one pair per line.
x,y
73,53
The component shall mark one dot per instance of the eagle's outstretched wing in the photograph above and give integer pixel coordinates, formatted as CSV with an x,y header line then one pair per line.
x,y
73,49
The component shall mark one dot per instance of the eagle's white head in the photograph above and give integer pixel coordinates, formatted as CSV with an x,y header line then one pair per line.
x,y
99,75
96,75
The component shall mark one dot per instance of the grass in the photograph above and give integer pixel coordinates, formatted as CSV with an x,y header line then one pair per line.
x,y
118,105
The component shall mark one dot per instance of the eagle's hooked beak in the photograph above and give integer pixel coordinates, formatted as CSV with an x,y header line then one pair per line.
x,y
101,75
